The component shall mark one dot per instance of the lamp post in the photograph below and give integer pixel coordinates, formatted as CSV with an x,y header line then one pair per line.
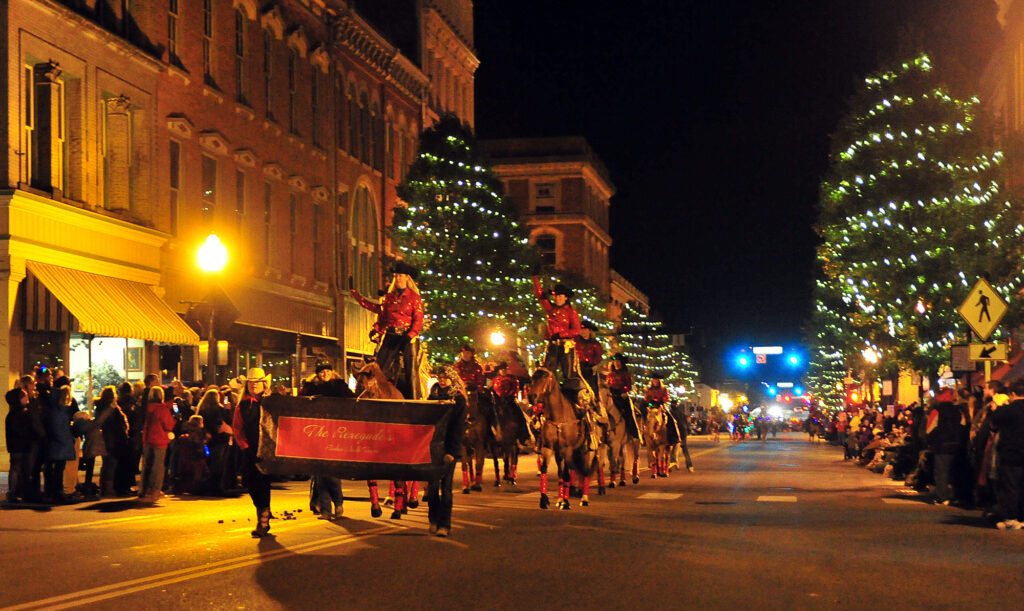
x,y
211,257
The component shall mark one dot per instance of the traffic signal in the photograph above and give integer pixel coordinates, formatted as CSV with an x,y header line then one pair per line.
x,y
743,361
794,359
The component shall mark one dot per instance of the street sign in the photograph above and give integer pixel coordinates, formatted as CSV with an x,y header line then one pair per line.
x,y
761,359
960,359
991,351
983,309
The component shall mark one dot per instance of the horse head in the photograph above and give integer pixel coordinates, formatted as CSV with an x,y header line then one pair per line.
x,y
540,383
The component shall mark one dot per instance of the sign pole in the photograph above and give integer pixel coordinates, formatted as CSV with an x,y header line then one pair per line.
x,y
988,371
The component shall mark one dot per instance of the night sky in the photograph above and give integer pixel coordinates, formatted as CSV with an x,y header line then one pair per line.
x,y
714,120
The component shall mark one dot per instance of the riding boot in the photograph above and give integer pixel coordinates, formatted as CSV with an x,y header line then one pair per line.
x,y
262,523
413,500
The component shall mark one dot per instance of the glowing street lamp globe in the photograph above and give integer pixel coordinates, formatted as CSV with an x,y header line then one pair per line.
x,y
498,338
212,256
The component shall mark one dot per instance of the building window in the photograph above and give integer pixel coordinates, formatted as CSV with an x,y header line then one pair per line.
x,y
172,32
293,224
317,216
208,42
293,85
268,216
363,242
364,128
175,182
314,94
547,245
209,188
28,146
266,72
400,155
355,145
545,190
341,115
239,197
240,84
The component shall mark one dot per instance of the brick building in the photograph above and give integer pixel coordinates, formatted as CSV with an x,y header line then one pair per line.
x,y
134,130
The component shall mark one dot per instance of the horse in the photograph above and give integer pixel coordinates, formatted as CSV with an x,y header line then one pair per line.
x,y
477,438
506,444
814,430
656,432
623,448
563,436
375,385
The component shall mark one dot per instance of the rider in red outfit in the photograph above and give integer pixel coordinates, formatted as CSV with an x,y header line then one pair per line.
x,y
562,330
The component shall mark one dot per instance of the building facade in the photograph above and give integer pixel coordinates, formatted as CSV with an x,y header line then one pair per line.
x,y
136,129
561,192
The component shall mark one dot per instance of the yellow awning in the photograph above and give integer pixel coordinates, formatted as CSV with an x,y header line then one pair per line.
x,y
112,306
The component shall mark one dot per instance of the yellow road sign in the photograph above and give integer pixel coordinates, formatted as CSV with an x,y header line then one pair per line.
x,y
983,309
990,351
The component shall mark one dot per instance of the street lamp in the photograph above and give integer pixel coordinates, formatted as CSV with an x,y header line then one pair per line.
x,y
498,338
870,355
212,257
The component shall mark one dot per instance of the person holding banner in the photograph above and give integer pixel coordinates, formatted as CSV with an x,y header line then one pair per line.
x,y
399,322
326,490
246,426
439,498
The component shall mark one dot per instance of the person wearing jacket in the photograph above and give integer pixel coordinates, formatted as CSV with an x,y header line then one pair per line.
x,y
945,440
25,436
114,428
1008,422
563,327
60,442
399,322
326,490
439,491
246,427
158,430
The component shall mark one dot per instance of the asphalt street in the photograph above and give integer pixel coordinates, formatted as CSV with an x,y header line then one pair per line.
x,y
776,524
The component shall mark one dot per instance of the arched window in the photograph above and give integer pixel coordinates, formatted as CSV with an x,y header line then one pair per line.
x,y
353,121
340,114
362,237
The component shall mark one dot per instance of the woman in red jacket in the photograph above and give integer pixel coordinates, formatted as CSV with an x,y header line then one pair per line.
x,y
156,434
399,322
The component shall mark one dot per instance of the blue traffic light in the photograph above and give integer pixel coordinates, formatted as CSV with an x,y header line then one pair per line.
x,y
794,359
798,391
772,391
743,361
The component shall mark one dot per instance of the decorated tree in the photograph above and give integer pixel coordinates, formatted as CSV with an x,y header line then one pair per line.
x,y
643,340
474,256
911,214
827,337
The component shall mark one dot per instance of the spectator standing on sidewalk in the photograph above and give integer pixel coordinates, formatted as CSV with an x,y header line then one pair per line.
x,y
114,428
1008,423
157,433
124,476
945,439
60,442
25,436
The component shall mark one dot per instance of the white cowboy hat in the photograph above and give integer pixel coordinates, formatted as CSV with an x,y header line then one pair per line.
x,y
255,374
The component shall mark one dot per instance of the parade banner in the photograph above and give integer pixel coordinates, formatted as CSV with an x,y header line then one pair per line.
x,y
353,438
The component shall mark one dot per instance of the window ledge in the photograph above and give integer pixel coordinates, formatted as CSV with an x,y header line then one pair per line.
x,y
319,152
179,72
245,111
321,286
299,280
272,125
296,139
272,272
213,93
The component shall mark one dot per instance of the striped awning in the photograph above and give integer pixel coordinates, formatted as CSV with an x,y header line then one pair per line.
x,y
113,307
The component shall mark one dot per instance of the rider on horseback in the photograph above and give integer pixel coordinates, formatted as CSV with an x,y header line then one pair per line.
x,y
506,389
620,383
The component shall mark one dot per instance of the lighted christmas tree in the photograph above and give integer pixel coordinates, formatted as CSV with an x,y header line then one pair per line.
x,y
649,349
828,340
475,258
911,214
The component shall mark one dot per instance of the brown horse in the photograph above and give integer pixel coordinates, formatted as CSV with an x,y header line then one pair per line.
x,y
562,435
506,444
622,449
656,432
373,384
475,442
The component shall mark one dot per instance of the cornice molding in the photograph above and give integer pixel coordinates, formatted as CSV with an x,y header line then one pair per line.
x,y
521,168
273,170
351,36
180,126
245,157
214,142
272,20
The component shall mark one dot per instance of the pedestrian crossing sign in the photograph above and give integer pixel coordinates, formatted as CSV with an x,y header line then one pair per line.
x,y
983,309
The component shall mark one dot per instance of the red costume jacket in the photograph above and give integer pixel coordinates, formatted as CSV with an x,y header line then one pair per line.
x,y
471,372
656,394
620,381
563,321
589,351
505,385
401,311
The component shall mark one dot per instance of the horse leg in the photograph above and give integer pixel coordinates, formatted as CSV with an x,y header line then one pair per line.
x,y
497,474
478,471
465,476
636,468
542,470
390,500
375,509
600,480
585,499
515,465
413,500
573,487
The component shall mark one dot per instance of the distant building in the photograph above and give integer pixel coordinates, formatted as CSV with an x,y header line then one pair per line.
x,y
561,191
623,292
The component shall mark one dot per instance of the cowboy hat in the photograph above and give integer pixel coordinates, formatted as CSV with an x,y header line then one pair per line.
x,y
401,267
561,289
255,374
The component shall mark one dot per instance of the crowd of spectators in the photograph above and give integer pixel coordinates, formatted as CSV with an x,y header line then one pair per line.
x,y
148,440
963,447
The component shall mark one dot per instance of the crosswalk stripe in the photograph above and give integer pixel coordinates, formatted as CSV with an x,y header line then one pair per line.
x,y
659,496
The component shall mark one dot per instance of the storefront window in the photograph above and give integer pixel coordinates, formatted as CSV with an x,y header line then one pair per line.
x,y
279,366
